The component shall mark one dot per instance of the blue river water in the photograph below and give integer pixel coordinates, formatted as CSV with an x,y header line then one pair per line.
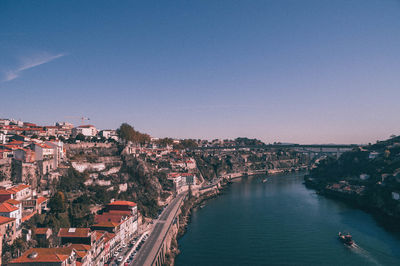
x,y
281,222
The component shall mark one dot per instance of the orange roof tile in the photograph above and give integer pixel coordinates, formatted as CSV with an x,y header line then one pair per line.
x,y
110,217
5,207
109,236
41,231
45,255
80,247
123,202
18,188
16,142
5,192
5,220
43,145
106,224
13,202
28,217
81,254
74,232
40,200
120,213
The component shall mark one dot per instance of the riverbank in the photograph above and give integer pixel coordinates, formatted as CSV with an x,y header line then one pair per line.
x,y
195,202
281,222
191,203
362,199
184,219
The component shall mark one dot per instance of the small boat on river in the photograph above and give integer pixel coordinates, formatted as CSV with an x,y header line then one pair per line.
x,y
346,238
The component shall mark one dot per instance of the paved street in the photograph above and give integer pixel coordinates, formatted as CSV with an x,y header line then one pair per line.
x,y
150,247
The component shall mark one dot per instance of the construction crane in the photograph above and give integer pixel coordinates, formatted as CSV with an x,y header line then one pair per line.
x,y
78,118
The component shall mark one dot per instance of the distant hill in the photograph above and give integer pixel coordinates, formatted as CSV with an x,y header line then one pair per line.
x,y
368,175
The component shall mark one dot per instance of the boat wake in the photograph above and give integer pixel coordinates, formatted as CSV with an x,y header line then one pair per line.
x,y
363,253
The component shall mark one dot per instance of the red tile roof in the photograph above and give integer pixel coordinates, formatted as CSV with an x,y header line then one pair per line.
x,y
107,217
13,202
173,174
5,207
40,200
11,147
44,255
43,145
122,203
74,232
187,174
28,216
41,231
109,236
106,224
80,247
5,220
18,188
16,142
120,213
5,192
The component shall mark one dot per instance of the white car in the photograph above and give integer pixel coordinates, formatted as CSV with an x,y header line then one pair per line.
x,y
124,245
120,259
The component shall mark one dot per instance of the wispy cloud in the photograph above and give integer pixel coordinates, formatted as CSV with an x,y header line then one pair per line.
x,y
30,62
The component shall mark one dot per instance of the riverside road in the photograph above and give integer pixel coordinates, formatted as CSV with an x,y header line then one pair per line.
x,y
150,248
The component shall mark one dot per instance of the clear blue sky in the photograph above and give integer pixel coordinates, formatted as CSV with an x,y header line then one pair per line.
x,y
293,71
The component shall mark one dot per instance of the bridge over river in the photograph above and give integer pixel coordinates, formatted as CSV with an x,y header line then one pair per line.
x,y
310,149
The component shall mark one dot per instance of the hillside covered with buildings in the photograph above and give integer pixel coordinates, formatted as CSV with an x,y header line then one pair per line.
x,y
87,195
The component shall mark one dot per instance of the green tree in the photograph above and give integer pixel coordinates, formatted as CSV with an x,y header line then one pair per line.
x,y
80,137
127,133
165,141
57,203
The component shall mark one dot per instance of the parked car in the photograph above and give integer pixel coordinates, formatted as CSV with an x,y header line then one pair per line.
x,y
120,258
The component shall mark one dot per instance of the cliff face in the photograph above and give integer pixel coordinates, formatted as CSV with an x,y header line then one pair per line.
x,y
143,184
